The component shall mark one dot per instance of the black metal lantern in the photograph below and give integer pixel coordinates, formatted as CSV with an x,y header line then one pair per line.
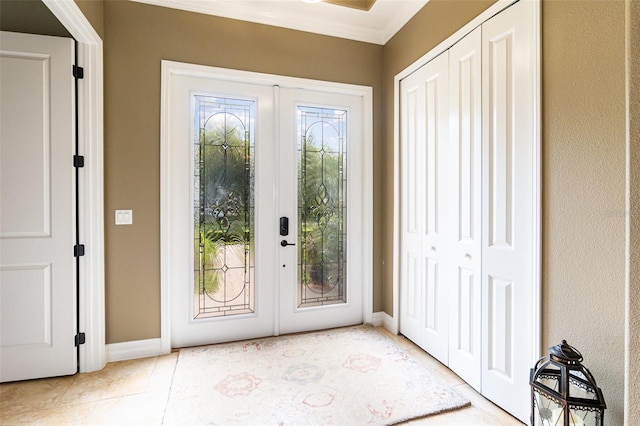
x,y
563,391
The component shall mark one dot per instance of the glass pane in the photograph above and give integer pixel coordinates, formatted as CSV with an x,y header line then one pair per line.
x,y
223,207
322,206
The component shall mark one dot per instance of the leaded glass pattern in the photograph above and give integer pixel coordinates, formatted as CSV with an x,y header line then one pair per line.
x,y
322,204
223,206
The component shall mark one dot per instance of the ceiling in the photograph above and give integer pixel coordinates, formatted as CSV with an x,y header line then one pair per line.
x,y
29,16
376,25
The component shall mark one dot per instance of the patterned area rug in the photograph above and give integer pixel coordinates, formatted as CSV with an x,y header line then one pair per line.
x,y
347,376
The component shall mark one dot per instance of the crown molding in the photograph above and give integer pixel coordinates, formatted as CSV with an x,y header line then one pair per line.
x,y
377,25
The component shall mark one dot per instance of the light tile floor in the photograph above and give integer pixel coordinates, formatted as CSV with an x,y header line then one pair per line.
x,y
135,392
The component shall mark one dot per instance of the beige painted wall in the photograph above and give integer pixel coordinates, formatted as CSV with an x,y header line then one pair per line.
x,y
583,148
93,10
137,38
632,401
584,187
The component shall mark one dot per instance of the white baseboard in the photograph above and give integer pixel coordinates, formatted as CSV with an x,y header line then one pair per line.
x,y
153,347
387,321
134,349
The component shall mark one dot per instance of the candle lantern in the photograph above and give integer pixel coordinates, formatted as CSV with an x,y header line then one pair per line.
x,y
563,391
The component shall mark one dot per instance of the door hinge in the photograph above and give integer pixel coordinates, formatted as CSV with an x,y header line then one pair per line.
x,y
80,339
78,72
78,161
78,250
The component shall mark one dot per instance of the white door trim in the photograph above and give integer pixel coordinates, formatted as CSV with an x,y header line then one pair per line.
x,y
93,354
536,164
177,68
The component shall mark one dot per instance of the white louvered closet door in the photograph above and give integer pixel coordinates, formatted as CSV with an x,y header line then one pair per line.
x,y
465,134
426,246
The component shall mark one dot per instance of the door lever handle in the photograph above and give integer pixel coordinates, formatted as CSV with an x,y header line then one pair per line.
x,y
284,243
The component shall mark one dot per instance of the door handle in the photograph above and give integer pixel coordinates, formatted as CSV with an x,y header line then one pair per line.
x,y
284,243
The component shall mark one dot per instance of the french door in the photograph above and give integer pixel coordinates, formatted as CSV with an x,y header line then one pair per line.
x,y
260,236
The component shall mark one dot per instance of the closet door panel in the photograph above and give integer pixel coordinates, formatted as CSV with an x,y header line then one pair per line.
x,y
413,224
508,200
465,84
436,241
426,236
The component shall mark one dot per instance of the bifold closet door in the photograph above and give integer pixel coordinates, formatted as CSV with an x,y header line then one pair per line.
x,y
509,197
426,219
468,200
465,135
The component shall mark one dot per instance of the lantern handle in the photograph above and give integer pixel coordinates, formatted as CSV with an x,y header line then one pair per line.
x,y
565,351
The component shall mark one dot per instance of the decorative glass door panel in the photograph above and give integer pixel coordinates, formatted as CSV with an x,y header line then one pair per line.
x,y
322,174
223,194
320,190
257,230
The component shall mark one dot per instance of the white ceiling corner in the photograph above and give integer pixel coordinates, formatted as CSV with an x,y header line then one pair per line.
x,y
376,25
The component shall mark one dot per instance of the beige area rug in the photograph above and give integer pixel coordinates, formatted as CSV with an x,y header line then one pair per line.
x,y
347,376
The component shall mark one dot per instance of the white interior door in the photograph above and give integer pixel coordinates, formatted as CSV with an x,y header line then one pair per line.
x,y
241,155
427,265
465,133
509,198
37,280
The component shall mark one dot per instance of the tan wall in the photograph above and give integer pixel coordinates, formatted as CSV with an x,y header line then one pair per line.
x,y
93,10
632,402
584,187
137,38
583,143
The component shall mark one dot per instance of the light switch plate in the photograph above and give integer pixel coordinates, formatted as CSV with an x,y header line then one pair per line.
x,y
124,217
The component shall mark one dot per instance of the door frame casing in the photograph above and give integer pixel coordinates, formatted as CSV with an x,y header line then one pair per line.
x,y
170,68
393,323
93,354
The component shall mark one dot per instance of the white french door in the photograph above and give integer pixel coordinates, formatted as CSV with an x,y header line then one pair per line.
x,y
320,191
260,239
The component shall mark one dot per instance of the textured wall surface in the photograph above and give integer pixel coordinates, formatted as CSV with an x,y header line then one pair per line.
x,y
137,37
584,187
94,12
633,300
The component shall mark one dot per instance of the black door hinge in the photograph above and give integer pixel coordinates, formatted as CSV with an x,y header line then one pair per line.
x,y
80,339
78,161
78,250
78,72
